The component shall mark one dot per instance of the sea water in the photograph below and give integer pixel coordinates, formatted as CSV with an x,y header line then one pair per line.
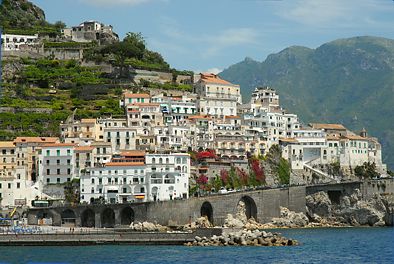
x,y
319,245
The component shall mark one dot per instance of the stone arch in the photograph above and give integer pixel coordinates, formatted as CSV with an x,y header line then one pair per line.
x,y
68,217
250,207
108,218
44,218
88,218
207,210
126,216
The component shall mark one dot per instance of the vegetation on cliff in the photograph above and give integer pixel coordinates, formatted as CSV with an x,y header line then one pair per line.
x,y
23,17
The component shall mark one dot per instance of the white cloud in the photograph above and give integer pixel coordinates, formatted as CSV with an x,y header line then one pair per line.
x,y
116,2
332,13
228,38
214,70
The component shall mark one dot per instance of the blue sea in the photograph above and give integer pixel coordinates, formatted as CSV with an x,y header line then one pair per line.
x,y
325,245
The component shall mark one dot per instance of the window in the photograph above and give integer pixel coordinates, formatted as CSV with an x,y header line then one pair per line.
x,y
92,180
9,185
58,180
68,162
48,152
68,152
57,162
68,171
47,162
18,185
48,180
58,152
57,171
48,172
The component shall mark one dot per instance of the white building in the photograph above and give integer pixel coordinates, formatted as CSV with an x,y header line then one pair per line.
x,y
217,97
134,176
16,42
56,163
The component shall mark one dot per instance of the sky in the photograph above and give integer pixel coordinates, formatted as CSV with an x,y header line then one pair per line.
x,y
211,35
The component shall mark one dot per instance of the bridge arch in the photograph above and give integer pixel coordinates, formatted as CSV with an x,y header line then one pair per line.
x,y
44,218
88,218
108,217
126,216
250,207
68,217
207,210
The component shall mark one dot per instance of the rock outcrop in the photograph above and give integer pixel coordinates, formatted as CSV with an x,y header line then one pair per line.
x,y
201,222
290,218
148,227
244,238
352,210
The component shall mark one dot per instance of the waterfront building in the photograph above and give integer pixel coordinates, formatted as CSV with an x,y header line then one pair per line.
x,y
134,176
56,163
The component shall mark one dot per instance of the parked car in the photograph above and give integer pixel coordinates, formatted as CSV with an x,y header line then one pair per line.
x,y
222,191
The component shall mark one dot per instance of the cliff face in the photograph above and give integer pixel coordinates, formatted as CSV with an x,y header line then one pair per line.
x,y
16,14
352,209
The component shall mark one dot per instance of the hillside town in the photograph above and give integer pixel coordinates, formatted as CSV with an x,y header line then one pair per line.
x,y
149,153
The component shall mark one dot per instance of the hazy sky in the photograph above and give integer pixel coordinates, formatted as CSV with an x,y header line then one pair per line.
x,y
206,35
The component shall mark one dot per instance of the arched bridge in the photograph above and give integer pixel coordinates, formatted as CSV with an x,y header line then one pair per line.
x,y
261,205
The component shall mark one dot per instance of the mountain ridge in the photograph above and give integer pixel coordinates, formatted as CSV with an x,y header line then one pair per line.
x,y
349,81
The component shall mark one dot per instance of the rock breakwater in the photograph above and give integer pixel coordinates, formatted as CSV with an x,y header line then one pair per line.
x,y
244,238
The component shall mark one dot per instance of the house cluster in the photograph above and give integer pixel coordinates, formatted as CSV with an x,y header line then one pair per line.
x,y
87,31
142,155
11,42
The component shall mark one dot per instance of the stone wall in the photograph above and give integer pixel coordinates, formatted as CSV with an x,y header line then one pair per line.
x,y
263,205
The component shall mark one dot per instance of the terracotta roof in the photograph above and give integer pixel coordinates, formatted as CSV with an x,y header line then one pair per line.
x,y
7,144
36,139
355,137
332,137
88,120
289,140
200,117
145,104
123,164
54,145
133,153
136,95
84,148
213,78
328,126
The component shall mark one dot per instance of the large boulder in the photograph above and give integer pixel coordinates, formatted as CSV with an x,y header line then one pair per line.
x,y
319,203
290,218
232,222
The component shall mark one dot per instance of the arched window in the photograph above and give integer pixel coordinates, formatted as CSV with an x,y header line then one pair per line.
x,y
153,160
167,160
160,160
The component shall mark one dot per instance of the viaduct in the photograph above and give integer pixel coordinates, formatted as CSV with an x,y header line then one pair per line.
x,y
262,205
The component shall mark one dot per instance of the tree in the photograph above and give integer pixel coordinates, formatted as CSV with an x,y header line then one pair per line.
x,y
71,191
258,171
224,177
366,171
284,171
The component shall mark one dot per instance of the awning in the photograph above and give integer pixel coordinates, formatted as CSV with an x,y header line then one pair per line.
x,y
139,196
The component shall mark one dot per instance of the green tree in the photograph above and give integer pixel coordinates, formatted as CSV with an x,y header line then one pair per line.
x,y
284,171
366,171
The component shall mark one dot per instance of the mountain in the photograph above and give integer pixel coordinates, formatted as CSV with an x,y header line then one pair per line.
x,y
23,17
349,81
